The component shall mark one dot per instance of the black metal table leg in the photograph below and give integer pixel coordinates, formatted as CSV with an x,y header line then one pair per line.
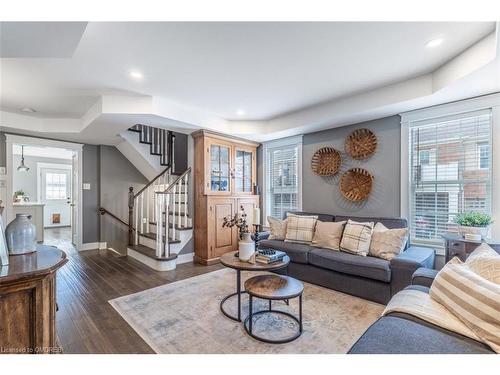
x,y
270,305
250,300
300,313
238,295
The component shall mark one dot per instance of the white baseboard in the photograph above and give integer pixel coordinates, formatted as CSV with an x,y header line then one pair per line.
x,y
185,258
152,263
93,246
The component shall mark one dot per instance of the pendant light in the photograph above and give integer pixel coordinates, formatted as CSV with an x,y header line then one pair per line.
x,y
22,167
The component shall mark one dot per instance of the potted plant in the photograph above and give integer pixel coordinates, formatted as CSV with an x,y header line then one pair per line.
x,y
476,223
18,196
246,247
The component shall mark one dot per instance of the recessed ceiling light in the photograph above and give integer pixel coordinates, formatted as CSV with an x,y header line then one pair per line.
x,y
434,42
28,109
136,75
240,112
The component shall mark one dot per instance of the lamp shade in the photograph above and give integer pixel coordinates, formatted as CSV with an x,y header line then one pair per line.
x,y
22,167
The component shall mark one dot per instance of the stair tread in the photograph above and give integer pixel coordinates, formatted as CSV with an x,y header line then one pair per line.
x,y
152,236
150,253
170,226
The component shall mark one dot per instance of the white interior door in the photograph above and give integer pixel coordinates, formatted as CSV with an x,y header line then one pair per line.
x,y
56,195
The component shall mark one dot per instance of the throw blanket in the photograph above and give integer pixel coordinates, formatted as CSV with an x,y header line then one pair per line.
x,y
421,305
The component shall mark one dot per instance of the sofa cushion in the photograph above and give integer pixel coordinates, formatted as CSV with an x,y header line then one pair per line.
x,y
322,217
370,267
389,222
297,252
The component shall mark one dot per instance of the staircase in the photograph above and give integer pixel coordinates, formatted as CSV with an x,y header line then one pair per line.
x,y
159,222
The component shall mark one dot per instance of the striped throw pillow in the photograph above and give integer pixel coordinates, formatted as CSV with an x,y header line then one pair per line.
x,y
471,298
485,262
356,237
300,228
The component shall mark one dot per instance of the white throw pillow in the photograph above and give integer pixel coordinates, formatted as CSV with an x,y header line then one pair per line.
x,y
485,262
300,228
387,243
328,234
278,228
357,237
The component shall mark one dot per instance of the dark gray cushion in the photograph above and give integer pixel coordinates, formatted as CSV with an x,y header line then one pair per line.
x,y
297,252
389,222
398,335
424,276
322,217
371,267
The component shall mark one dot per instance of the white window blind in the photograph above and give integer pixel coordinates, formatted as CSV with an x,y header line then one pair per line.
x,y
449,172
282,190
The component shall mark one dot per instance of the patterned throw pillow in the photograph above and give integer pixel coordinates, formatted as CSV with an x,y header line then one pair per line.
x,y
356,237
278,228
471,298
300,228
387,243
328,234
485,262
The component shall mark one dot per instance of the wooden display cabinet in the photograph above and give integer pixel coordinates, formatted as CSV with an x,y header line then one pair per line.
x,y
224,178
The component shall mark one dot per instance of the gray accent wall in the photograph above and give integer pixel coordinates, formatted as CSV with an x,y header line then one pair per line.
x,y
322,195
117,174
90,198
3,150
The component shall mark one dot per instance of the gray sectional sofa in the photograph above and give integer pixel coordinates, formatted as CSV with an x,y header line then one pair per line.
x,y
368,277
399,333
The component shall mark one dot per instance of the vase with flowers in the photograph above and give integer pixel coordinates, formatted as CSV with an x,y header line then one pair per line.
x,y
246,246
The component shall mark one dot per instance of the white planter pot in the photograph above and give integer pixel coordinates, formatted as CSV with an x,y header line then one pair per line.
x,y
482,231
246,248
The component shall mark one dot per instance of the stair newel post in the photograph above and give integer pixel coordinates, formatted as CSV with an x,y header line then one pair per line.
x,y
167,225
179,207
159,223
186,207
130,215
141,230
174,191
148,195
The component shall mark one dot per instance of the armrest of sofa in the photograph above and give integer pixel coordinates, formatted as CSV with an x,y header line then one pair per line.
x,y
258,236
405,264
424,277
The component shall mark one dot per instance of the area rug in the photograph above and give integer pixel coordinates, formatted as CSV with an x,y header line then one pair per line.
x,y
184,317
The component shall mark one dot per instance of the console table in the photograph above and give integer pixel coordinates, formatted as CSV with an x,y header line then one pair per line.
x,y
456,245
28,302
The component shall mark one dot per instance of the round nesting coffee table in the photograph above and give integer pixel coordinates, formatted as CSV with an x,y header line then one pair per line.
x,y
231,261
272,288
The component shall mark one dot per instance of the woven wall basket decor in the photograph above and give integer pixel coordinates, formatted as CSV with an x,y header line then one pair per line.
x,y
326,161
361,144
356,184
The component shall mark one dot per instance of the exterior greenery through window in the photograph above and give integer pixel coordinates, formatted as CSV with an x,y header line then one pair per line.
x,y
449,172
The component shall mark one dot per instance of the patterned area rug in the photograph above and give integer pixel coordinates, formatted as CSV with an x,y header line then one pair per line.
x,y
184,317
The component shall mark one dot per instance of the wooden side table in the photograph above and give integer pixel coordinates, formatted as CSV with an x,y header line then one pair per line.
x,y
456,245
28,302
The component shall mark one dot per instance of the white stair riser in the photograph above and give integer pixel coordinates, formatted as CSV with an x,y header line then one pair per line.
x,y
152,263
184,236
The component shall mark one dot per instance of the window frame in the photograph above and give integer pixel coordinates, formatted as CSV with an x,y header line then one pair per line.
x,y
266,147
456,109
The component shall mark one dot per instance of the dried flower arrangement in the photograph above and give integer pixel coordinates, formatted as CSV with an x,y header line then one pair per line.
x,y
238,220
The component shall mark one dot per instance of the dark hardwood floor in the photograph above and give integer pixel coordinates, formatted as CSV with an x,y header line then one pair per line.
x,y
86,322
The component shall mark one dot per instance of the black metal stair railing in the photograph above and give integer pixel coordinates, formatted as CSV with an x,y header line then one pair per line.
x,y
161,141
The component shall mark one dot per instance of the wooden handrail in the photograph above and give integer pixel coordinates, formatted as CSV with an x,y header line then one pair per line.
x,y
103,211
175,182
152,181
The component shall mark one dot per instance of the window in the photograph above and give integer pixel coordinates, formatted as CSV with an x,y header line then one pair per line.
x,y
282,177
484,156
449,172
55,186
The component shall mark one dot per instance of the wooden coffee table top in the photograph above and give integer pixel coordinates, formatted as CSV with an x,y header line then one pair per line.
x,y
229,260
274,287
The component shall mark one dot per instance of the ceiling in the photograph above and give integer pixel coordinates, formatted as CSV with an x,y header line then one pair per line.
x,y
241,72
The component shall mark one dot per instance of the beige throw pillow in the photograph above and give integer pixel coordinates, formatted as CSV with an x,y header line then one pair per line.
x,y
328,234
278,228
356,237
300,228
387,243
471,298
485,262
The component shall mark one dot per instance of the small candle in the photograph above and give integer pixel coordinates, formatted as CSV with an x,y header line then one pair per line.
x,y
256,216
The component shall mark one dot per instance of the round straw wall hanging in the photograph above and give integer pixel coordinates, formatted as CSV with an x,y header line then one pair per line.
x,y
326,161
361,144
356,184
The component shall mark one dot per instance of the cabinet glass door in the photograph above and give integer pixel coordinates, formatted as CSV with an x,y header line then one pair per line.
x,y
219,168
243,171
